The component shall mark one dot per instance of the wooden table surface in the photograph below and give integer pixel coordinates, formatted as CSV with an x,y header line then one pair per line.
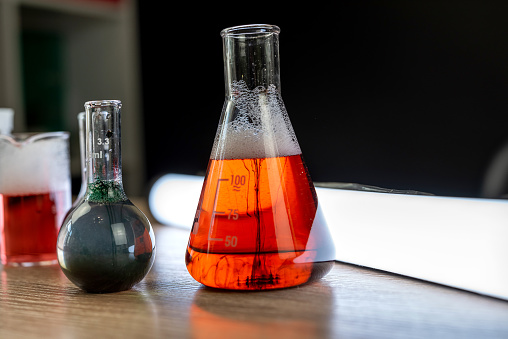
x,y
350,302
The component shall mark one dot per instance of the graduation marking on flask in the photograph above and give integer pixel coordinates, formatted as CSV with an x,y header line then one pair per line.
x,y
237,181
232,213
103,142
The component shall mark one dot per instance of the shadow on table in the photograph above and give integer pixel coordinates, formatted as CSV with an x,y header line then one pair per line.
x,y
304,311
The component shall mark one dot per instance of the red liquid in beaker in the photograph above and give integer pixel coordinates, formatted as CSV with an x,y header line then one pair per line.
x,y
29,226
258,226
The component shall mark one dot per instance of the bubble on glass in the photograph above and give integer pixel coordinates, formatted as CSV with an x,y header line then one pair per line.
x,y
260,128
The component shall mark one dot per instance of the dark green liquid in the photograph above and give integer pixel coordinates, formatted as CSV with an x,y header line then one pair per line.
x,y
106,247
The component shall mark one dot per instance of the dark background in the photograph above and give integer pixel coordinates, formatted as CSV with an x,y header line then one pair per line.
x,y
397,94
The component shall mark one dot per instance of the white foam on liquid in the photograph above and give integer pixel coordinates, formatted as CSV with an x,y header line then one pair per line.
x,y
260,128
37,167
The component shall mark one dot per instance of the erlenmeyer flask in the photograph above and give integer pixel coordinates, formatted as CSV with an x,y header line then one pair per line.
x,y
258,224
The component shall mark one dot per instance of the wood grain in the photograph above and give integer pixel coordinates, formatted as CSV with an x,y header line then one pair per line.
x,y
350,302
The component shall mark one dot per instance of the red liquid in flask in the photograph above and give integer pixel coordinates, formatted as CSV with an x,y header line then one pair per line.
x,y
258,226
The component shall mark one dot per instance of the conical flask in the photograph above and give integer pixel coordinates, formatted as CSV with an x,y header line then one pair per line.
x,y
258,224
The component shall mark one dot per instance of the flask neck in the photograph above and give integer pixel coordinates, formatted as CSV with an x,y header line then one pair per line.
x,y
82,157
103,151
251,55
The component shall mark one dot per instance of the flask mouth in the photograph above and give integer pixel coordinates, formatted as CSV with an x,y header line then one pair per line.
x,y
103,103
255,30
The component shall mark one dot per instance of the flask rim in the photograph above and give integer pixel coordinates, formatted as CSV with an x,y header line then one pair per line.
x,y
103,103
253,30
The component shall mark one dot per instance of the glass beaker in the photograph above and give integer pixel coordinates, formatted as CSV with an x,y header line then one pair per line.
x,y
35,195
258,224
106,244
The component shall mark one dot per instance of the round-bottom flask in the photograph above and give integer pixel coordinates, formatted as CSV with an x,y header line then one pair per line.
x,y
106,244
